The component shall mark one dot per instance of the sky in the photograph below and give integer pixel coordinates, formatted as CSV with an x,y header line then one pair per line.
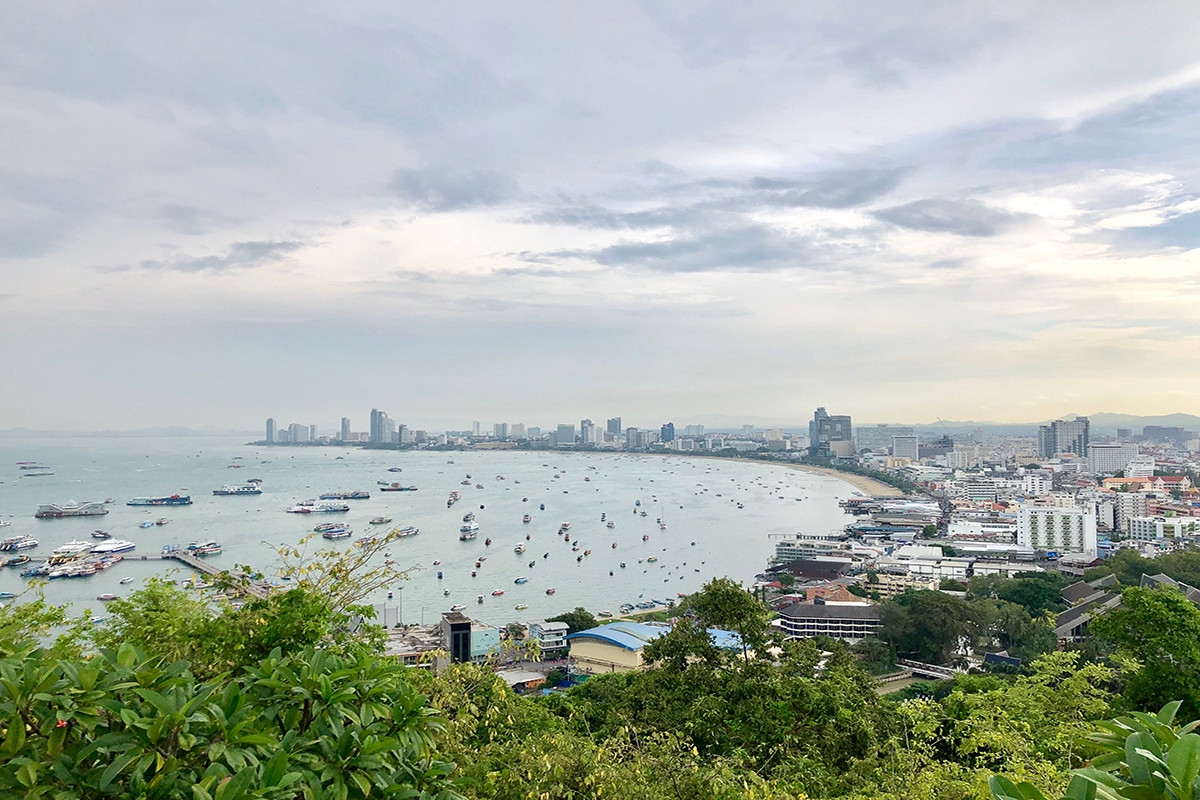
x,y
538,212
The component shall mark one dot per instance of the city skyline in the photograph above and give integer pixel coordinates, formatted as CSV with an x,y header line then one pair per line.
x,y
988,211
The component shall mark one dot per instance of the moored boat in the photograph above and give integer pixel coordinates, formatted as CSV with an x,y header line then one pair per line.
x,y
380,520
238,489
172,500
18,543
71,509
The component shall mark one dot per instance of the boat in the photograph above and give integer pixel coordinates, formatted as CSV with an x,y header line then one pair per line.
x,y
237,489
464,483
114,546
551,590
126,580
467,536
146,524
365,541
72,509
359,495
604,614
521,580
106,597
612,525
487,542
18,543
30,465
209,548
380,520
467,517
479,599
541,507
408,531
38,474
329,526
527,519
318,507
479,486
383,483
172,500
566,526
652,559
15,561
101,535
162,521
337,533
519,548
397,469
457,607
497,593
470,527
396,487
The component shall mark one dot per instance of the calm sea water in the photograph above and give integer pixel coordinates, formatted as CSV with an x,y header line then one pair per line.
x,y
707,535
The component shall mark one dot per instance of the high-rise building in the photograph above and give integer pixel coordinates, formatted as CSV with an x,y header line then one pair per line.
x,y
475,428
773,434
906,447
668,432
878,438
517,431
1064,436
1051,528
693,430
345,429
824,430
614,426
298,433
375,436
500,430
631,438
587,432
312,433
566,435
271,430
1110,459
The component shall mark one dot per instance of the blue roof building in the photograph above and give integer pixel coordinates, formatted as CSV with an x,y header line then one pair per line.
x,y
618,647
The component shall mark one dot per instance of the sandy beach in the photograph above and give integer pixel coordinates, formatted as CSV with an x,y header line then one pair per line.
x,y
861,482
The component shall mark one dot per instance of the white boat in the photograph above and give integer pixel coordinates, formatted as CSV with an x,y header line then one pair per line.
x,y
381,520
470,527
72,509
114,546
337,533
520,548
409,531
126,580
73,547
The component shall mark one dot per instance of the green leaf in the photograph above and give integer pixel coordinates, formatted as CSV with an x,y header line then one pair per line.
x,y
114,769
1167,715
235,787
1080,789
1183,760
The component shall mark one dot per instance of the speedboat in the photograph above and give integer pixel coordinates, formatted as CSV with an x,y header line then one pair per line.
x,y
551,590
457,607
521,580
521,606
146,524
126,580
497,593
519,548
101,535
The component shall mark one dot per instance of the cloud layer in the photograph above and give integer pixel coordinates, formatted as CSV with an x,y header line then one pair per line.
x,y
538,213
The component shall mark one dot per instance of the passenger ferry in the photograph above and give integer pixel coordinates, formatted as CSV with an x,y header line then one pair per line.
x,y
173,500
72,509
238,489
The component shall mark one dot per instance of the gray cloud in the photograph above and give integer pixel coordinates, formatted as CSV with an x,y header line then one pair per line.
x,y
944,215
449,189
189,219
241,255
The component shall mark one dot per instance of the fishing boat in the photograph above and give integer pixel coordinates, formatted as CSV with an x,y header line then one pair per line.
x,y
380,520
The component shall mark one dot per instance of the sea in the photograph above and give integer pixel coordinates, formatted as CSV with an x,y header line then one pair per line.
x,y
720,516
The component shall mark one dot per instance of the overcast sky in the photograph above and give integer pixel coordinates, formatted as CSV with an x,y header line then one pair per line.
x,y
540,212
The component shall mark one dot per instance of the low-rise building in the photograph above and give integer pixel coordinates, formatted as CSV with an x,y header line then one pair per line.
x,y
550,636
1066,530
1158,528
848,622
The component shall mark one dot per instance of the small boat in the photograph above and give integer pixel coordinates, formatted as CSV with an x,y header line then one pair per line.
x,y
614,545
467,517
7,595
519,548
521,580
479,486
497,593
526,518
470,527
566,526
521,606
479,599
542,507
467,536
101,535
337,533
146,524
439,574
551,590
464,483
380,520
106,597
612,525
408,531
457,607
445,592
126,580
487,542
162,521
395,469
652,559
604,614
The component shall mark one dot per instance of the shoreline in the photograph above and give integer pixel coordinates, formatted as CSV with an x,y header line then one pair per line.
x,y
861,482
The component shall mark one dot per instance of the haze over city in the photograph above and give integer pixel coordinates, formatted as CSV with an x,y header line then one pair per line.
x,y
544,212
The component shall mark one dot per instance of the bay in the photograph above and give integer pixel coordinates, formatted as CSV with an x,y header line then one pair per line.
x,y
707,535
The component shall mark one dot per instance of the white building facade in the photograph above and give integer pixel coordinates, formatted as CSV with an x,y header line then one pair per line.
x,y
1063,530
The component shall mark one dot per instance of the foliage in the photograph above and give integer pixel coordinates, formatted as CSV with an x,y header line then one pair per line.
x,y
1143,756
1129,566
344,578
1159,629
578,620
876,656
929,626
515,631
126,725
951,585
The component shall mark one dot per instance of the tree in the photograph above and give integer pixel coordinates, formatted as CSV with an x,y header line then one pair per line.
x,y
1037,592
724,604
951,585
929,531
1159,628
515,631
928,626
877,656
578,620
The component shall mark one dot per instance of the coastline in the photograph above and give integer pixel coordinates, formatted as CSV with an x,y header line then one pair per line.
x,y
861,482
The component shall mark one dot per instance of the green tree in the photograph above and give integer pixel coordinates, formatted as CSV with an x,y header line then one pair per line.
x,y
515,631
929,626
578,620
1036,592
724,604
1160,629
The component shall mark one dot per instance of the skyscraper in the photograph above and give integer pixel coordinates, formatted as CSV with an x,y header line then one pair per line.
x,y
668,432
824,430
587,432
376,434
345,429
566,435
614,426
500,430
475,428
1064,436
271,438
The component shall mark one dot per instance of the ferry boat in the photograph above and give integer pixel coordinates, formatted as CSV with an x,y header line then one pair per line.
x,y
337,533
380,520
396,487
318,507
73,548
360,495
18,543
72,509
237,489
209,548
114,546
173,500
519,548
409,531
